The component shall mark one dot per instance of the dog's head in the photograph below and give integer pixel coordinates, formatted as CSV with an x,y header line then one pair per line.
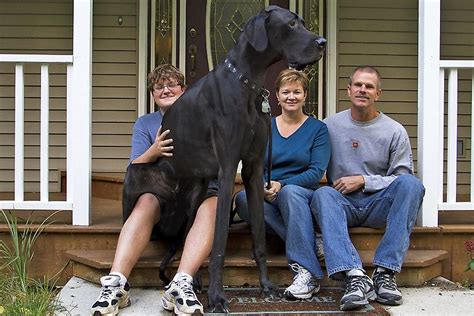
x,y
283,31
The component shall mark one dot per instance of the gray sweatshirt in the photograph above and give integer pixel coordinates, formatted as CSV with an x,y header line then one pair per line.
x,y
379,150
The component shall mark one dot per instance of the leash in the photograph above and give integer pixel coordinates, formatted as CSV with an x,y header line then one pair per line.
x,y
264,93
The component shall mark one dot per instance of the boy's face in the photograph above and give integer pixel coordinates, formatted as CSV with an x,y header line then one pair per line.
x,y
166,92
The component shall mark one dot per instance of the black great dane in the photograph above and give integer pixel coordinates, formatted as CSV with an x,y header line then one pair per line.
x,y
218,121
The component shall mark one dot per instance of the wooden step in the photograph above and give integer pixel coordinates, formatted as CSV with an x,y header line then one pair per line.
x,y
419,267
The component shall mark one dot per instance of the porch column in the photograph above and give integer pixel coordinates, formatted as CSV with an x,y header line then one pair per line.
x,y
430,112
80,114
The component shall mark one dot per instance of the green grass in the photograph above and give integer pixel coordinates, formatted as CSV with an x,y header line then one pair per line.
x,y
19,294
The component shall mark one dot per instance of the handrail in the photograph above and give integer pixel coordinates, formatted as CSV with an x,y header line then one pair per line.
x,y
34,58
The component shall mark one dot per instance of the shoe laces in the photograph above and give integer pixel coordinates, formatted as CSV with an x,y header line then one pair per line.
x,y
354,283
186,288
302,277
386,280
106,292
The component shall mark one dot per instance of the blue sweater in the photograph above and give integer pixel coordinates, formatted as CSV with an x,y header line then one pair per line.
x,y
303,157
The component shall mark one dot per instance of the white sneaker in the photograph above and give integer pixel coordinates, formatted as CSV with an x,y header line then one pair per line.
x,y
304,284
114,294
180,297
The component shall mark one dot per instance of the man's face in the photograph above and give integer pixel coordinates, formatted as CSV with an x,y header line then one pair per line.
x,y
166,92
363,91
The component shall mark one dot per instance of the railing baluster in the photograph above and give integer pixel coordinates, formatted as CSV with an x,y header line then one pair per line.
x,y
69,151
452,134
44,135
19,133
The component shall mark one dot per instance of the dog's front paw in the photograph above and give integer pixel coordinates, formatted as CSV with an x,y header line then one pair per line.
x,y
271,290
218,303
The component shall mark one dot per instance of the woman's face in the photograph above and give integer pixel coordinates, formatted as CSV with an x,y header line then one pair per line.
x,y
166,92
291,97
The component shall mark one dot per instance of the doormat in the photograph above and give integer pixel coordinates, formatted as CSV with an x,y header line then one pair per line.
x,y
248,301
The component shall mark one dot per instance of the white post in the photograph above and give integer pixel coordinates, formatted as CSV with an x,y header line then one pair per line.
x,y
472,138
44,135
142,56
81,105
429,109
19,133
331,58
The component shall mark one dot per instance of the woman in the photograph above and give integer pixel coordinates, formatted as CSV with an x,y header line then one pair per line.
x,y
300,155
166,85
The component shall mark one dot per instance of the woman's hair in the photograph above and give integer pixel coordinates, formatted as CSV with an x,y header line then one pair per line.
x,y
164,72
292,75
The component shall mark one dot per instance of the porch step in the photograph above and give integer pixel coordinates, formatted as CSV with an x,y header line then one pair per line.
x,y
239,269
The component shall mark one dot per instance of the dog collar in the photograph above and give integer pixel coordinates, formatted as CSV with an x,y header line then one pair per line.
x,y
250,84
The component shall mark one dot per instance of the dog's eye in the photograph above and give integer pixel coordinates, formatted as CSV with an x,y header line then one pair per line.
x,y
292,23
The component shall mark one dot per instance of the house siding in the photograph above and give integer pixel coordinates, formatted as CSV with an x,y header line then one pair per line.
x,y
45,27
384,34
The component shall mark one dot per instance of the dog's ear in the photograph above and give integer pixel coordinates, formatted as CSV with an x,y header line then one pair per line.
x,y
256,32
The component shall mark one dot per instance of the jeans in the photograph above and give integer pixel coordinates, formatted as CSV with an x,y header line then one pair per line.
x,y
290,217
394,207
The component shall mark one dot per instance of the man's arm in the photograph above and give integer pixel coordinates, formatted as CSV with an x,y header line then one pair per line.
x,y
401,162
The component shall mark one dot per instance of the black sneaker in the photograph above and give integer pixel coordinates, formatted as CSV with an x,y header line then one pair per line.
x,y
386,287
359,290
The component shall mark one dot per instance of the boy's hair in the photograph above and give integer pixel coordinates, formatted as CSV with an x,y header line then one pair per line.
x,y
292,75
164,72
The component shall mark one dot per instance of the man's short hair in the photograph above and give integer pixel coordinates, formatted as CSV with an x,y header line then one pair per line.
x,y
370,70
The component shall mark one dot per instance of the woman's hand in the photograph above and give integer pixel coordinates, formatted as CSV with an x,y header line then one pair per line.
x,y
271,193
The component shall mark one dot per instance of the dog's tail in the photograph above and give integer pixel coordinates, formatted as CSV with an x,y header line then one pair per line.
x,y
174,244
166,260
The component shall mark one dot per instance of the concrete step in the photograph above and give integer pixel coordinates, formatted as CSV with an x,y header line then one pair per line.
x,y
240,269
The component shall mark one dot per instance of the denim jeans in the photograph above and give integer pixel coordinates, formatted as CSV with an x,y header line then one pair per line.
x,y
394,207
290,217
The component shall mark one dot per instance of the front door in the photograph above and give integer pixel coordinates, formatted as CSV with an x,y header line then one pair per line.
x,y
206,30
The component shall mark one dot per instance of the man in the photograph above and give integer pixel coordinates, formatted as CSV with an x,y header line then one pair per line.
x,y
371,184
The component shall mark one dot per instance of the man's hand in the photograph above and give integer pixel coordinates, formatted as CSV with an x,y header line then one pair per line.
x,y
272,192
346,185
161,146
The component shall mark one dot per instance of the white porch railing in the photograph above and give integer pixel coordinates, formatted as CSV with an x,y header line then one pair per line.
x,y
450,68
79,122
44,203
